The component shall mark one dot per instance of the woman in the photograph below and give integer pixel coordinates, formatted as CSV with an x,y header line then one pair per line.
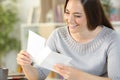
x,y
89,39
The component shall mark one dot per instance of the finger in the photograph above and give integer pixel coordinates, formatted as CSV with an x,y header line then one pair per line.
x,y
62,67
64,74
61,70
22,59
23,52
23,62
24,55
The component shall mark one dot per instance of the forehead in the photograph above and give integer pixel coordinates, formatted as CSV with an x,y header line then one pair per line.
x,y
74,5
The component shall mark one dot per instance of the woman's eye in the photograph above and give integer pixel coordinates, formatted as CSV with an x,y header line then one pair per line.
x,y
77,16
66,12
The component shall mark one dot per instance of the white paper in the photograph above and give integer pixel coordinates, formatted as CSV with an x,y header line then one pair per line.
x,y
35,46
42,55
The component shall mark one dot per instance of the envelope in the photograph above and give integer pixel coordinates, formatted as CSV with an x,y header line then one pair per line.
x,y
42,55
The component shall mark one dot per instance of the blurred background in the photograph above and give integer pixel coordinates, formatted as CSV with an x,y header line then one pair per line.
x,y
41,16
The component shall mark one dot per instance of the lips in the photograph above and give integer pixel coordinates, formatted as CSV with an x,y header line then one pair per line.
x,y
73,26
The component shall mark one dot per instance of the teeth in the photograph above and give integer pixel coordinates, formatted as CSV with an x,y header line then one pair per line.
x,y
73,26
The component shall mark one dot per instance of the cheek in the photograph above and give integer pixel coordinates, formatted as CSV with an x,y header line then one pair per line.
x,y
81,21
65,18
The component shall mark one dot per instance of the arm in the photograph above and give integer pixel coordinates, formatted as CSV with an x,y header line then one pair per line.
x,y
71,73
113,58
24,59
29,70
113,65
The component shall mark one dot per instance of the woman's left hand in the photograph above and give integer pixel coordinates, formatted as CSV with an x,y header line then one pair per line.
x,y
67,72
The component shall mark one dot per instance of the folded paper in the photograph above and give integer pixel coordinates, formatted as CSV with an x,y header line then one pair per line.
x,y
42,55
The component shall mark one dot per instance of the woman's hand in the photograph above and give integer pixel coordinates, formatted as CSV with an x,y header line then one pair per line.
x,y
23,58
67,72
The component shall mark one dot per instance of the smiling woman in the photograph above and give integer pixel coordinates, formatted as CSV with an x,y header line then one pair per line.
x,y
88,38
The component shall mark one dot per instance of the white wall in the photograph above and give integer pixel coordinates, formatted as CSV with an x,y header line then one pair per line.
x,y
24,7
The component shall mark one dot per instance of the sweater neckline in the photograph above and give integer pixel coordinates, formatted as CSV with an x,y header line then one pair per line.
x,y
85,47
99,35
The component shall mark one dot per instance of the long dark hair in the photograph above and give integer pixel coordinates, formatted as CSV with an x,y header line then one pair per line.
x,y
94,13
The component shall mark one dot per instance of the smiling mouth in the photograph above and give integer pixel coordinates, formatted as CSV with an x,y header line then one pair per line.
x,y
73,26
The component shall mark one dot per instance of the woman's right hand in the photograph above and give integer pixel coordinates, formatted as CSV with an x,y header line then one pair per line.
x,y
23,58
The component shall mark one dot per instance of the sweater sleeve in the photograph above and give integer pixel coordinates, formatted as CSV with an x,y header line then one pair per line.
x,y
43,73
114,59
51,42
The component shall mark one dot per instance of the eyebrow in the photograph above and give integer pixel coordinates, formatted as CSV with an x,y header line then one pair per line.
x,y
77,13
74,12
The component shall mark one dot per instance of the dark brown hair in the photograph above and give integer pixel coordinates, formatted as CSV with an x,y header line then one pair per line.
x,y
94,13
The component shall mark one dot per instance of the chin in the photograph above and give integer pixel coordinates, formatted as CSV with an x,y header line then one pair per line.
x,y
73,29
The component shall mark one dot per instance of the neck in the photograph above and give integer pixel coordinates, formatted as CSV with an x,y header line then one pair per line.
x,y
85,36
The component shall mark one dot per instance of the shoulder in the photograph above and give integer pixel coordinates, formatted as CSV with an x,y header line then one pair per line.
x,y
55,38
112,34
113,39
112,42
115,36
59,31
110,37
